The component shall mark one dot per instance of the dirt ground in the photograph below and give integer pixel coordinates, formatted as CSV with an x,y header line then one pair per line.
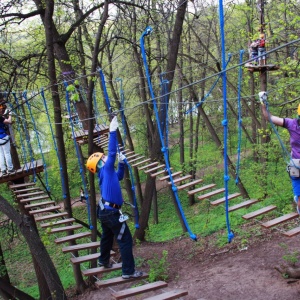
x,y
241,270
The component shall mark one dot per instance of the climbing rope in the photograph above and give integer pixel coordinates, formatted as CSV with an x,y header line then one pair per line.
x,y
225,121
147,32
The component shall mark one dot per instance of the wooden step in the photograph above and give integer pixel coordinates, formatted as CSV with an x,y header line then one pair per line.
x,y
89,257
139,290
129,153
242,204
280,220
168,176
30,194
27,190
222,200
81,247
175,294
141,162
259,212
159,172
132,156
148,166
16,186
64,221
72,237
136,159
154,169
30,206
100,270
51,216
292,232
48,209
201,189
183,178
189,184
117,280
34,199
215,192
66,228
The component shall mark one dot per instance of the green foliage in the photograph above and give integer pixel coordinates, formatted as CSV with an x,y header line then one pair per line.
x,y
290,257
158,267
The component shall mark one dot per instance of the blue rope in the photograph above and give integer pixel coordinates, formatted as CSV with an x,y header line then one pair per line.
x,y
165,108
122,110
211,89
147,31
225,121
38,140
136,214
78,158
29,144
20,113
55,145
240,121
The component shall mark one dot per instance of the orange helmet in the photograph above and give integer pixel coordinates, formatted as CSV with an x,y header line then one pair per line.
x,y
93,160
298,110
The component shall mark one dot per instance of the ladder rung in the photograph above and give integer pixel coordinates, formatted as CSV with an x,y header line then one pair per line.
x,y
292,232
132,156
222,200
189,184
242,204
72,237
148,166
30,206
52,216
30,194
48,209
280,220
117,280
136,159
81,247
154,169
66,228
216,192
16,186
259,212
201,189
84,258
141,162
27,190
180,179
175,294
159,172
99,270
64,221
168,176
34,199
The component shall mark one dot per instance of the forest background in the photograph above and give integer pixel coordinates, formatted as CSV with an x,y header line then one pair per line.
x,y
46,46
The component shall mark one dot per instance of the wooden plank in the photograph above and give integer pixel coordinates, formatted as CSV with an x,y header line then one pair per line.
x,y
168,176
148,166
180,179
51,216
189,184
51,224
259,212
159,172
242,204
100,270
175,294
201,189
34,199
132,156
139,290
213,193
141,162
48,209
30,206
16,186
27,190
81,247
84,258
136,159
280,220
30,194
117,280
66,228
292,232
72,237
222,200
154,169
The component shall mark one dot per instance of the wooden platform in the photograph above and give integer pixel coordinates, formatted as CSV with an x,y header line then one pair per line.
x,y
81,136
260,68
27,169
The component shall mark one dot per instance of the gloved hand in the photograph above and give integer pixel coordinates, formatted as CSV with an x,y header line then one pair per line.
x,y
113,124
121,158
263,96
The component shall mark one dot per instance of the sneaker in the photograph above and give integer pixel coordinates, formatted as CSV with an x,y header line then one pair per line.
x,y
106,266
11,171
136,274
296,201
4,173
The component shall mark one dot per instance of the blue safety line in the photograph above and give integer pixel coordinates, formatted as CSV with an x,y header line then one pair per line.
x,y
225,121
55,145
78,158
211,89
165,107
147,31
20,116
240,121
122,109
38,139
136,214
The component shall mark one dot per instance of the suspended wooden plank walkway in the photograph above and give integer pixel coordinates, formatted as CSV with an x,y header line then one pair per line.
x,y
81,136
